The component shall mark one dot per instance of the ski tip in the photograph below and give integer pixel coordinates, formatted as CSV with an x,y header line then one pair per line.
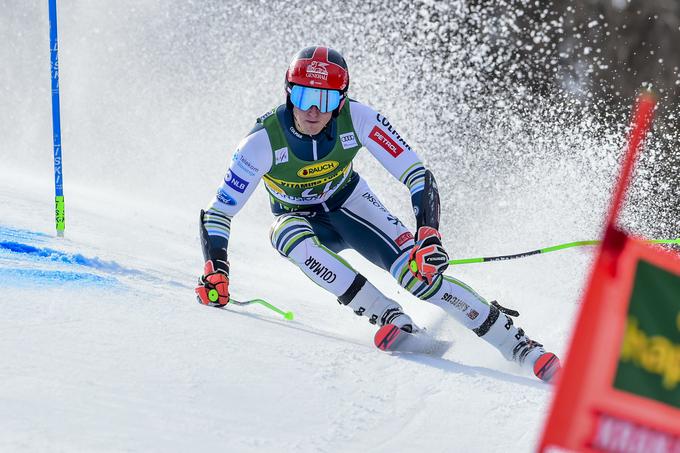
x,y
547,368
387,336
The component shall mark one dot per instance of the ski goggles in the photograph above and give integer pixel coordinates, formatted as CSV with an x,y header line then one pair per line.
x,y
305,97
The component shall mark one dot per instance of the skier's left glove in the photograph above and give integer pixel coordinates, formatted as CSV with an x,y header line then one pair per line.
x,y
213,286
428,258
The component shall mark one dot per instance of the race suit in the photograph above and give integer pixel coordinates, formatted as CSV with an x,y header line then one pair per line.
x,y
322,206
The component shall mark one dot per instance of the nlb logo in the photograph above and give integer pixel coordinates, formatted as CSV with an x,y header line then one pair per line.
x,y
235,182
320,169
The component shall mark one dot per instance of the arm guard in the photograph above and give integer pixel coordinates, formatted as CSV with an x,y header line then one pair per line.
x,y
214,248
427,210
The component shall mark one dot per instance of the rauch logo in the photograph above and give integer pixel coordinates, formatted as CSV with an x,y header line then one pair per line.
x,y
322,168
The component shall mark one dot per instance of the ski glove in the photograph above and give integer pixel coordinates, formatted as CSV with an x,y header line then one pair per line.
x,y
428,258
213,286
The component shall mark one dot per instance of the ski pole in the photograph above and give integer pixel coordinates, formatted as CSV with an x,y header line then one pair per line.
x,y
56,122
553,248
286,314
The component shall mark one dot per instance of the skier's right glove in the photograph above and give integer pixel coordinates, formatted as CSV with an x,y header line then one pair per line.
x,y
213,286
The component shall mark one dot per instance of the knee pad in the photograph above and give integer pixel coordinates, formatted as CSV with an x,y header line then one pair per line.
x,y
288,231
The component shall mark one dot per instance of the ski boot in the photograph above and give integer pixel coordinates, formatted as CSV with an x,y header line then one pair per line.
x,y
499,330
366,300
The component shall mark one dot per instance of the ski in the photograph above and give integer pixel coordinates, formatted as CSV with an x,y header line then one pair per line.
x,y
391,338
548,367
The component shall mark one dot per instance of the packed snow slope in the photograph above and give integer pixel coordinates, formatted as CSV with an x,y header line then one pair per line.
x,y
105,349
103,345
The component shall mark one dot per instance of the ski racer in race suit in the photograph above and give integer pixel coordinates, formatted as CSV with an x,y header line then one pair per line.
x,y
303,152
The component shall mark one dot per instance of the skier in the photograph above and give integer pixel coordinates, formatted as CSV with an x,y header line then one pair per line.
x,y
303,151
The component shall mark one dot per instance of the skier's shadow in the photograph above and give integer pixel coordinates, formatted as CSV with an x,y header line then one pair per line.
x,y
450,366
293,324
440,363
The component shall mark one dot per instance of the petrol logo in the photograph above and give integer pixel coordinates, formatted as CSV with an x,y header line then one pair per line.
x,y
381,138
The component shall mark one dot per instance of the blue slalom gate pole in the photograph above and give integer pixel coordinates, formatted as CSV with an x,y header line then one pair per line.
x,y
56,123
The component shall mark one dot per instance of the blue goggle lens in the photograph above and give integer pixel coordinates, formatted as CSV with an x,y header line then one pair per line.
x,y
305,97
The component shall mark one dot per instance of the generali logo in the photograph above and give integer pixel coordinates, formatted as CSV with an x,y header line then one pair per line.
x,y
322,168
317,70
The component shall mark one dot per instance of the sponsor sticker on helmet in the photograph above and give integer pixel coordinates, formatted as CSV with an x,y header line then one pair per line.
x,y
317,70
382,138
318,169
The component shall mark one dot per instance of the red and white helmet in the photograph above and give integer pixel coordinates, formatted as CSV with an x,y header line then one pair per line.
x,y
318,67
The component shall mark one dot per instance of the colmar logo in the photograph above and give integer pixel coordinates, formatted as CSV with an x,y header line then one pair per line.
x,y
319,269
317,70
385,122
381,138
322,168
294,132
